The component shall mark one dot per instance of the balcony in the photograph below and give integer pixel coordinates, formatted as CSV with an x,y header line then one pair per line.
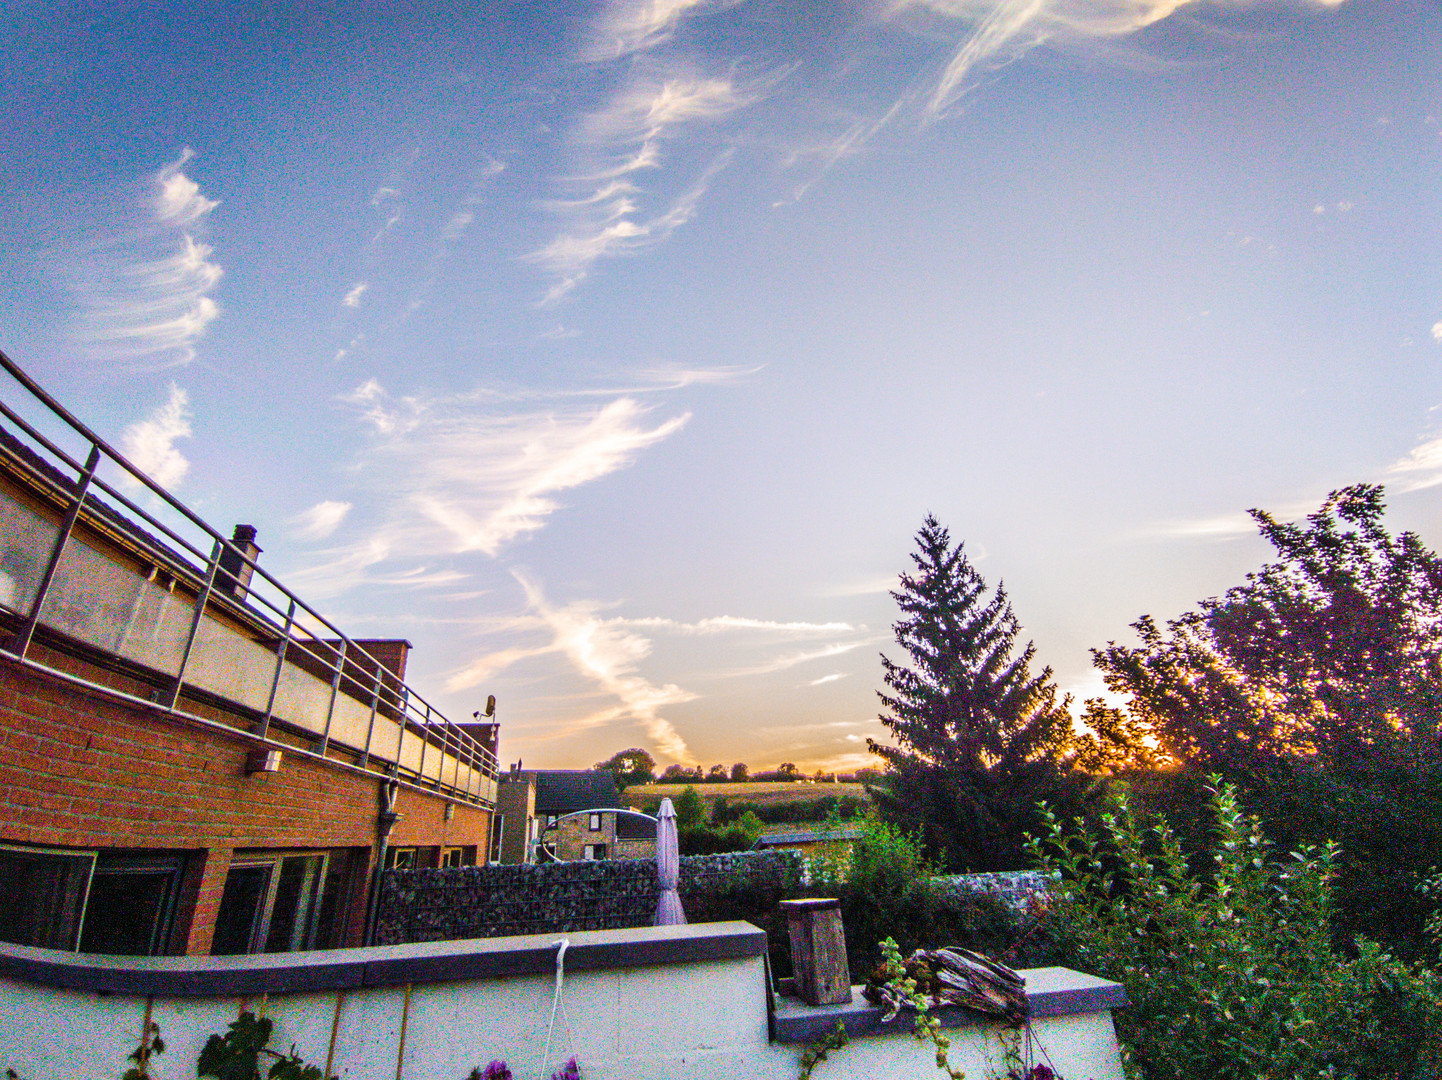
x,y
151,605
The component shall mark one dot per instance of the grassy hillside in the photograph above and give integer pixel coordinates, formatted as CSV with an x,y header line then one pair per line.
x,y
764,793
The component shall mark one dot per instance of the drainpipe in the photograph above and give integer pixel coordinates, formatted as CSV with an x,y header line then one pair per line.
x,y
385,822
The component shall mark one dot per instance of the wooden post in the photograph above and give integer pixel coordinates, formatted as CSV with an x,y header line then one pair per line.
x,y
818,951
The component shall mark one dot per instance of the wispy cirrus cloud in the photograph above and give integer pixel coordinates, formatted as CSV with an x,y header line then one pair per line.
x,y
606,654
1420,469
452,475
791,660
149,444
320,520
604,211
999,31
721,624
146,296
607,651
629,26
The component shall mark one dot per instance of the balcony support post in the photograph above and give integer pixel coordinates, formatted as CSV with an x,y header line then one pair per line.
x,y
279,663
334,692
201,599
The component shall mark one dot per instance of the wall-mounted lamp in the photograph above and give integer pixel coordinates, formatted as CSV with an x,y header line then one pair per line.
x,y
262,761
450,813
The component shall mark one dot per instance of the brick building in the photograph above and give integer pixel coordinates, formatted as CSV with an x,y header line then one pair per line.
x,y
192,760
568,814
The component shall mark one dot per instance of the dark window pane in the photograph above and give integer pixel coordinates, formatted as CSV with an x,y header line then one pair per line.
x,y
42,894
242,907
327,929
290,921
131,905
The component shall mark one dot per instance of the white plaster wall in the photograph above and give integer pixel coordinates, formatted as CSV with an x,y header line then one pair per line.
x,y
704,1021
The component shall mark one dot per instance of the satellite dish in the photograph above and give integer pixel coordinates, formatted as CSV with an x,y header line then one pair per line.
x,y
491,705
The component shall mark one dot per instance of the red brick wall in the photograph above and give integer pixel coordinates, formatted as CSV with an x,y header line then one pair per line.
x,y
79,770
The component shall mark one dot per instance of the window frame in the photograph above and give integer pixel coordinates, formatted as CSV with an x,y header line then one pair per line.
x,y
308,905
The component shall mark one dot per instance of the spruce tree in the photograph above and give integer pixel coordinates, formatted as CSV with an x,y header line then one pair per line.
x,y
980,739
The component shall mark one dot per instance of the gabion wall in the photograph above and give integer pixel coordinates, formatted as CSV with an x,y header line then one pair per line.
x,y
498,901
1017,888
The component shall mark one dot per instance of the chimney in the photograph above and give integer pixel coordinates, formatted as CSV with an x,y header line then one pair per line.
x,y
233,576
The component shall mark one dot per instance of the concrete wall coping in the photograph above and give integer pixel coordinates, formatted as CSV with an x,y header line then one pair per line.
x,y
1050,991
384,965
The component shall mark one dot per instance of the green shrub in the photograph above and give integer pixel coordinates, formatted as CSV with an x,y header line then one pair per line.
x,y
1231,971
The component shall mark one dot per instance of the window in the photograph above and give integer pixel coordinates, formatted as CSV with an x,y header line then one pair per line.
x,y
498,837
401,858
595,822
95,902
42,895
453,856
131,907
274,902
595,852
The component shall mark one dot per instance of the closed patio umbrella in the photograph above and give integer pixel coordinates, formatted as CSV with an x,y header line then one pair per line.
x,y
668,868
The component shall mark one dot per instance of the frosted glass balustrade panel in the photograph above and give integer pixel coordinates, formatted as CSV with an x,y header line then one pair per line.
x,y
110,605
26,540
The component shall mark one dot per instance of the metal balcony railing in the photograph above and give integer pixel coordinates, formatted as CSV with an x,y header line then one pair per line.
x,y
192,624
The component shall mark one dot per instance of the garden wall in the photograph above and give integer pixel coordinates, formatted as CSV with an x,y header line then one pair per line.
x,y
550,898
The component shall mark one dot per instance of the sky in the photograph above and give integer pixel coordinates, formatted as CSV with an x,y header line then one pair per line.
x,y
613,354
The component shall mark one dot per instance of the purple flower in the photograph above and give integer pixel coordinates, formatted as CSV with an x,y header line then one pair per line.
x,y
570,1071
497,1070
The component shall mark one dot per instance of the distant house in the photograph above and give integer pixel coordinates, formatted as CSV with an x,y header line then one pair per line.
x,y
821,842
568,814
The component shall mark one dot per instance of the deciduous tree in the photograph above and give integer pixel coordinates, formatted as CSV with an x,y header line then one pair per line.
x,y
1317,686
629,767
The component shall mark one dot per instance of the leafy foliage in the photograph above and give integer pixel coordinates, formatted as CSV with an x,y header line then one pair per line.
x,y
1316,686
1331,655
690,809
822,1048
236,1055
1231,971
150,1044
629,767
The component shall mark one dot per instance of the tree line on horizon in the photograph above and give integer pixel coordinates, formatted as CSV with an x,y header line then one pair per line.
x,y
636,766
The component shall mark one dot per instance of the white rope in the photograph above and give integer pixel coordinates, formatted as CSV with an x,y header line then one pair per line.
x,y
564,944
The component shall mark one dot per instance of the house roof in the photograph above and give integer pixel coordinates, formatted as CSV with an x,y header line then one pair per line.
x,y
565,791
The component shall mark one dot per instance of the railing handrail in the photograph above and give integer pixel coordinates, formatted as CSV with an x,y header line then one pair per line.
x,y
416,714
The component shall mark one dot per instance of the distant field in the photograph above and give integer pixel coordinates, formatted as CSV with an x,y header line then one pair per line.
x,y
763,793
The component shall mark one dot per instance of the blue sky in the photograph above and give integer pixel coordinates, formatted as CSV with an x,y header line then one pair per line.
x,y
614,354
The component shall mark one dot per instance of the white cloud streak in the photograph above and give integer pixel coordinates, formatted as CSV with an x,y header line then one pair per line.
x,y
603,652
631,26
720,624
177,199
1420,469
791,660
455,475
320,520
353,298
604,213
150,443
999,31
147,300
